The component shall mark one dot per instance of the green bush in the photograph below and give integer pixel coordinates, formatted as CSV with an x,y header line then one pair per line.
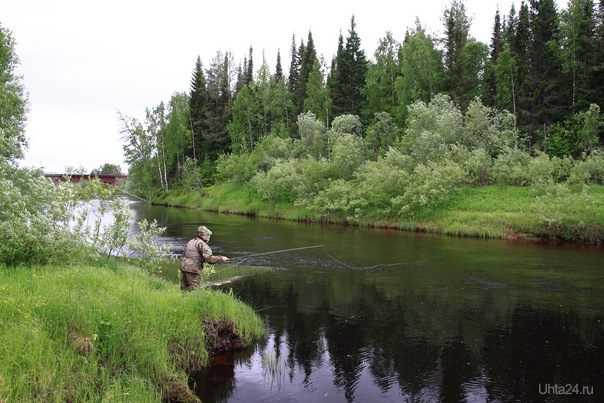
x,y
35,218
280,183
510,168
429,187
589,170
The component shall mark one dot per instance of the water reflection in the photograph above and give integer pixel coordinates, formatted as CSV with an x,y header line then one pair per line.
x,y
484,321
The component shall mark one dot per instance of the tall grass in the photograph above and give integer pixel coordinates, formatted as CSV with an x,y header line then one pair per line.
x,y
570,213
104,334
555,211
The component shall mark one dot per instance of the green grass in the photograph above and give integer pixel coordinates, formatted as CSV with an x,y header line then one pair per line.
x,y
88,333
553,212
556,212
234,198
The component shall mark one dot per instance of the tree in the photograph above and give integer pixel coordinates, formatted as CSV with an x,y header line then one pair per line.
x,y
107,168
216,139
177,133
313,137
578,46
198,106
317,99
381,135
421,70
262,107
249,73
308,56
138,150
519,56
294,67
380,81
596,69
346,147
506,80
457,35
472,62
496,47
245,126
13,107
547,86
349,79
155,122
278,68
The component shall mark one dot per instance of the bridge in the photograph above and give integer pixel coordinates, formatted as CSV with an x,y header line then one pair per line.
x,y
109,179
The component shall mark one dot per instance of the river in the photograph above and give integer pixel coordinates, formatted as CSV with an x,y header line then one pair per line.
x,y
380,315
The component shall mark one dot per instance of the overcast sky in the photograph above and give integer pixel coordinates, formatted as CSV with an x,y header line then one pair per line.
x,y
83,61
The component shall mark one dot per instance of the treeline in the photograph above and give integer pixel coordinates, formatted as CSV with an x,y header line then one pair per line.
x,y
540,81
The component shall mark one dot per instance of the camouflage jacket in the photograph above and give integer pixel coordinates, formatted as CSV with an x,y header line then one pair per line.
x,y
196,253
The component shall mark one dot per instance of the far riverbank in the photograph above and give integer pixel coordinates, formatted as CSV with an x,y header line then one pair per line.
x,y
550,212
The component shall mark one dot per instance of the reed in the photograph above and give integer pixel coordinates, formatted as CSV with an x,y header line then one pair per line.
x,y
274,367
91,333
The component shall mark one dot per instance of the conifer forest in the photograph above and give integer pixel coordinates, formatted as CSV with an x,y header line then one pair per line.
x,y
395,133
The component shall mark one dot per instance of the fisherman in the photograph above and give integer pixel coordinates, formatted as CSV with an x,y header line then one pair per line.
x,y
196,253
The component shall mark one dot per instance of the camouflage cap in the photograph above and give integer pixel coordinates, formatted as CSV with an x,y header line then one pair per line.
x,y
204,230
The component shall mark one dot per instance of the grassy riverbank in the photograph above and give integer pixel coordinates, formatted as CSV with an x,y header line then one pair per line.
x,y
115,334
556,212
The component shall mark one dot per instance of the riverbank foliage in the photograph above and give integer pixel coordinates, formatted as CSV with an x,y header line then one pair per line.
x,y
443,156
537,87
105,333
398,137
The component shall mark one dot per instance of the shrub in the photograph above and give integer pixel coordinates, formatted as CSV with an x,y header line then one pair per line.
x,y
488,128
541,169
381,135
346,155
510,168
280,183
430,185
237,167
190,175
589,170
476,164
35,218
313,137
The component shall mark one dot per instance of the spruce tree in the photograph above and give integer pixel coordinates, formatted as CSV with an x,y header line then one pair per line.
x,y
596,69
308,56
334,83
278,69
457,35
249,72
219,106
578,28
495,49
294,67
549,95
519,47
349,79
198,106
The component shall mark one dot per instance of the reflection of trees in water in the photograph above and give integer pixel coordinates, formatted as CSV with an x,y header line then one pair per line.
x,y
431,343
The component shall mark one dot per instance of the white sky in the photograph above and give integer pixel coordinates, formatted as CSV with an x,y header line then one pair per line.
x,y
83,61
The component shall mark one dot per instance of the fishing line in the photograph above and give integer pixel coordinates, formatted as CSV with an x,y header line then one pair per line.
x,y
328,254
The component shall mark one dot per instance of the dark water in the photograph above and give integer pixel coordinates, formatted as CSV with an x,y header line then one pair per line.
x,y
456,320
